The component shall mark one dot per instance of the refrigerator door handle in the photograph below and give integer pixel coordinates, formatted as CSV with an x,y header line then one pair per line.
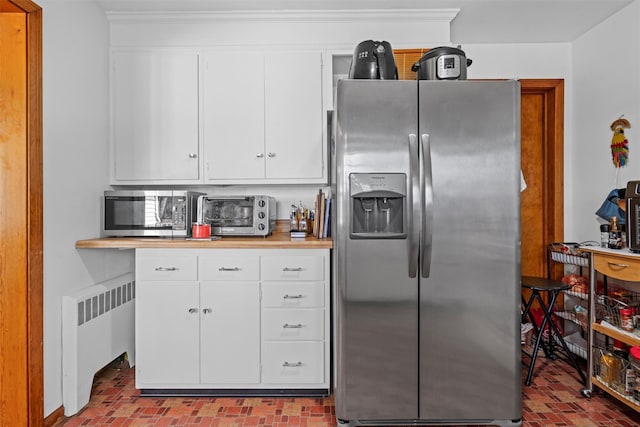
x,y
426,187
413,206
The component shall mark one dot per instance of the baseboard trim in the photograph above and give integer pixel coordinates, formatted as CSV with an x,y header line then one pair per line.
x,y
53,418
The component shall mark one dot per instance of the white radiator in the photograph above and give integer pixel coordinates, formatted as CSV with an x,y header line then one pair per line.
x,y
97,327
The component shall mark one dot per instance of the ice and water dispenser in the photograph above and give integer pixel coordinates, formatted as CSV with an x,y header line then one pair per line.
x,y
378,205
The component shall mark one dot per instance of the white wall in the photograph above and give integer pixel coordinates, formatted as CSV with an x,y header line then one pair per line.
x,y
606,84
75,107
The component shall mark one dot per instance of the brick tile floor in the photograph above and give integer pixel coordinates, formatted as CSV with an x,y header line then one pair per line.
x,y
553,399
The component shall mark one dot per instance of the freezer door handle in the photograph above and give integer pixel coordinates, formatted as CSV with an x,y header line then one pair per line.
x,y
426,184
413,206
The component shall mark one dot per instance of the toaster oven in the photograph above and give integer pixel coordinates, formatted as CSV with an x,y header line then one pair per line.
x,y
238,215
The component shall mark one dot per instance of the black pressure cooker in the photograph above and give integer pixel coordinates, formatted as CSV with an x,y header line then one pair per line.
x,y
442,63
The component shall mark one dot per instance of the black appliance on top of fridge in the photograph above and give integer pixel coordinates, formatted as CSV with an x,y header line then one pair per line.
x,y
373,60
426,259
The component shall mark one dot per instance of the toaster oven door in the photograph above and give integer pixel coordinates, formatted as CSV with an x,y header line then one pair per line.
x,y
235,215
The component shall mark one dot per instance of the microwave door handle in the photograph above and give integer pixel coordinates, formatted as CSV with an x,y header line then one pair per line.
x,y
426,181
413,206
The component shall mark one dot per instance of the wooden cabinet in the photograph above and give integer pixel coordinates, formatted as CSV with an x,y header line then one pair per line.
x,y
220,319
154,107
605,305
263,117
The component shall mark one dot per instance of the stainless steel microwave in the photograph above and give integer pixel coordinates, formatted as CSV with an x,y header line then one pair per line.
x,y
238,215
164,213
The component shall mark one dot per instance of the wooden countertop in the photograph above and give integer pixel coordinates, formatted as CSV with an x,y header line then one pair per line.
x,y
624,252
278,240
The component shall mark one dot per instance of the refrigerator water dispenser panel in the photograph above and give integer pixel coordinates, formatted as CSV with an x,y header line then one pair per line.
x,y
378,205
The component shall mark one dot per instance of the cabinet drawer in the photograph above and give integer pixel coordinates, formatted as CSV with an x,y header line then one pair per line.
x,y
229,268
167,267
292,268
617,267
293,363
293,295
293,324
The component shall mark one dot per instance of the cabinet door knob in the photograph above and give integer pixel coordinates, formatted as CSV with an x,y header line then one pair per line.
x,y
206,310
287,296
292,269
193,155
193,310
260,155
271,154
166,269
291,365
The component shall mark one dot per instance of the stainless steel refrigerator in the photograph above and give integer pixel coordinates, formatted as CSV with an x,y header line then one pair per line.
x,y
426,271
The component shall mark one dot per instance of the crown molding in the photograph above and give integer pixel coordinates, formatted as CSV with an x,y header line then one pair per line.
x,y
404,15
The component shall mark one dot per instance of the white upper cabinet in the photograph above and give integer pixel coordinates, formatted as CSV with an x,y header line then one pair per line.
x,y
263,118
220,117
293,116
233,116
155,130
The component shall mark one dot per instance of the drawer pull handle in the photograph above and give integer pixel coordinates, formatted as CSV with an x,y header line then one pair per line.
x,y
615,264
193,310
288,326
206,310
229,269
292,269
166,269
287,296
291,365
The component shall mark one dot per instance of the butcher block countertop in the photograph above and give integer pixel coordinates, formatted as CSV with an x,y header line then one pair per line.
x,y
278,240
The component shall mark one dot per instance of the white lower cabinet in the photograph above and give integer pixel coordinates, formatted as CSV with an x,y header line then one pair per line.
x,y
224,319
230,333
167,333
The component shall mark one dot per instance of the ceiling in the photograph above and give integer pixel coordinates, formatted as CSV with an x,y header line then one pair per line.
x,y
478,21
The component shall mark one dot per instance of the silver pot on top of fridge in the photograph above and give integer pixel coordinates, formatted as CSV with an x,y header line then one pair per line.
x,y
442,63
373,60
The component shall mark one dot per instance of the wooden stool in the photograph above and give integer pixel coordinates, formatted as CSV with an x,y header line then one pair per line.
x,y
553,288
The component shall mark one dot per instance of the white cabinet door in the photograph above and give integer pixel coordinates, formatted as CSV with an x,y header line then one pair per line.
x,y
263,117
293,116
233,116
230,332
155,117
167,333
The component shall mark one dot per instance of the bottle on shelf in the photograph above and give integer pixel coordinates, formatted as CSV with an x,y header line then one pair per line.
x,y
615,234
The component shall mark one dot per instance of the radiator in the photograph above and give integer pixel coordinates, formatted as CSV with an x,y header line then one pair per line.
x,y
97,327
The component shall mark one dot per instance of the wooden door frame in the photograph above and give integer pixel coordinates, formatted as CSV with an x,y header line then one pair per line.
x,y
31,378
552,91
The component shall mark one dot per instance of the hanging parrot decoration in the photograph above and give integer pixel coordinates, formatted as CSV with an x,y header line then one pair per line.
x,y
619,143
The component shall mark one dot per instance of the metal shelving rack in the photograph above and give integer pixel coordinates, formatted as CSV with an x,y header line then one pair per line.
x,y
566,253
